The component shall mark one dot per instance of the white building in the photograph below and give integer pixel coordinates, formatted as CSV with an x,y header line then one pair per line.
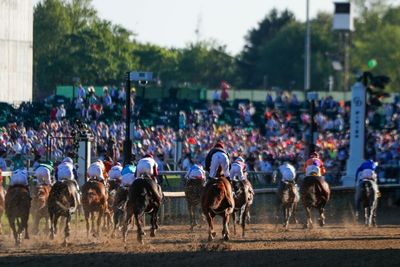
x,y
16,42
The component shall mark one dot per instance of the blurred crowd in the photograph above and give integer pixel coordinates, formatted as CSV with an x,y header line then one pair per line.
x,y
265,134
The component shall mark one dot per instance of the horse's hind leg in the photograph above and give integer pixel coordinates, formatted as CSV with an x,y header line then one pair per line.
x,y
154,225
210,220
309,223
11,222
295,221
24,224
191,212
67,230
87,215
244,218
366,216
127,220
225,231
234,219
321,219
99,219
139,224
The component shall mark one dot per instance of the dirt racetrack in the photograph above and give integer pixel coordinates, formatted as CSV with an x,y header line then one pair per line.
x,y
174,245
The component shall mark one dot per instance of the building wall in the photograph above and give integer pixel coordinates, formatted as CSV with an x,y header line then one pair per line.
x,y
16,42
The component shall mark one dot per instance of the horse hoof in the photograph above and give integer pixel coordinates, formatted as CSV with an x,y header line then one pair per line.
x,y
213,234
210,238
65,244
152,234
226,238
305,226
321,223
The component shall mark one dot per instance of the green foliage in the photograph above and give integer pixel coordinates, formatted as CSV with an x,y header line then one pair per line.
x,y
378,37
70,40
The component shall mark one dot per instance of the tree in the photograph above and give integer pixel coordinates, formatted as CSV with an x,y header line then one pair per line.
x,y
258,37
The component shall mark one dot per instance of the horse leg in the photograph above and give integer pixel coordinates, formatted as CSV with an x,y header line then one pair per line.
x,y
294,213
225,229
309,221
321,216
191,208
52,219
87,215
210,221
234,219
154,225
67,229
366,216
24,224
35,226
139,223
99,219
245,212
93,227
11,222
126,222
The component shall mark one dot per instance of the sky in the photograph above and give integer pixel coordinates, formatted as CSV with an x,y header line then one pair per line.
x,y
173,23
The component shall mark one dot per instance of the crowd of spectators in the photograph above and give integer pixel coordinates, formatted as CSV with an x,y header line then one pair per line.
x,y
263,133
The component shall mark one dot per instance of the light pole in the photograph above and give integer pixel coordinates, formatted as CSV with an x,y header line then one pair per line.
x,y
138,77
128,141
307,49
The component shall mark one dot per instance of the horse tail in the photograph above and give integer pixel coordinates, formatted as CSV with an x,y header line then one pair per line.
x,y
91,196
311,196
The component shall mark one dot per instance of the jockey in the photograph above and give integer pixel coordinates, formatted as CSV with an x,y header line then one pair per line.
x,y
217,159
147,165
115,172
366,171
43,173
128,174
315,160
238,169
67,171
96,171
196,172
19,177
287,172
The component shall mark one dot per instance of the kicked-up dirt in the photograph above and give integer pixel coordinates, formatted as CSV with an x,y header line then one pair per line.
x,y
175,245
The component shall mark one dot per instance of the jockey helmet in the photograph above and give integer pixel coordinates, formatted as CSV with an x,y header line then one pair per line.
x,y
219,145
148,155
314,155
67,160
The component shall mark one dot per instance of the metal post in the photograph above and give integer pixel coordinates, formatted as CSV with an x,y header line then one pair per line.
x,y
128,142
311,144
307,50
346,41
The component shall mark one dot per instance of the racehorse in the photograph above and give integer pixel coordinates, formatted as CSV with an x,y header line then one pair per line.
x,y
120,198
369,201
193,190
217,198
40,196
315,193
17,204
63,201
243,197
144,196
2,200
94,199
287,199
